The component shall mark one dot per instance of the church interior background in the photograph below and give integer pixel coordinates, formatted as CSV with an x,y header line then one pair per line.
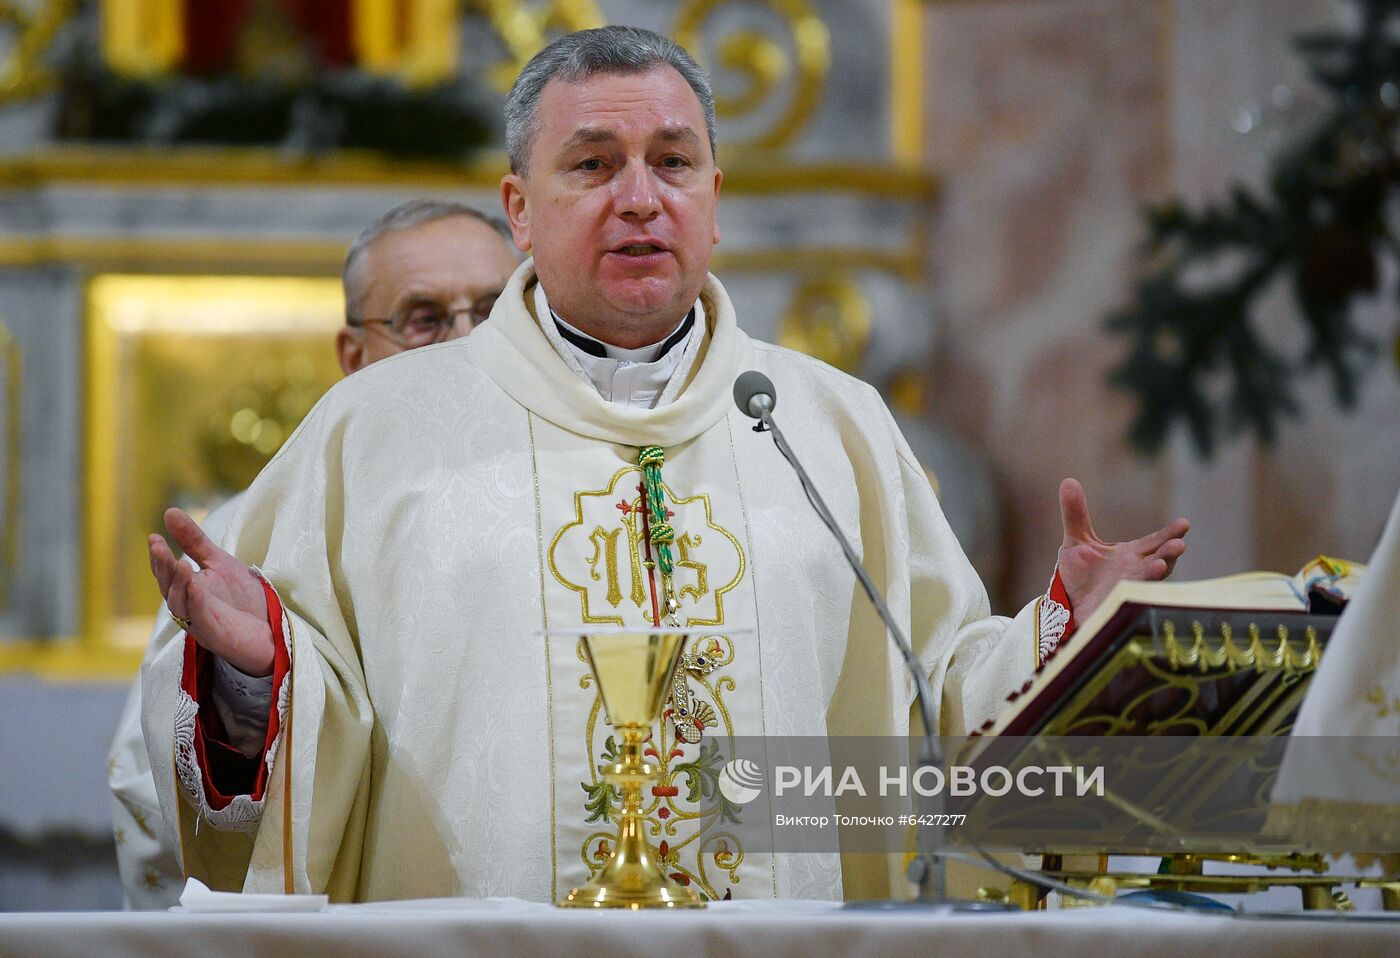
x,y
944,197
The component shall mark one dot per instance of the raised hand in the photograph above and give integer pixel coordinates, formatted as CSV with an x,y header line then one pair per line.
x,y
1090,567
223,600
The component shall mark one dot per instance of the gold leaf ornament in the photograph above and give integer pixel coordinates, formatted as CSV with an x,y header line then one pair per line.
x,y
763,63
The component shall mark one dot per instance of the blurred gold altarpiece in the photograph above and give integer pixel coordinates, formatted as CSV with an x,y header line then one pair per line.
x,y
194,382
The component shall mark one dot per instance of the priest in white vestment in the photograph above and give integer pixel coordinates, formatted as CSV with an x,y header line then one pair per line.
x,y
423,272
437,515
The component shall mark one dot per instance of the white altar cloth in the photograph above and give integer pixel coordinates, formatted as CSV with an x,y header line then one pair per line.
x,y
769,929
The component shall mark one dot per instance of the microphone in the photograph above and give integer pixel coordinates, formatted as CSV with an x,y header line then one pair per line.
x,y
756,398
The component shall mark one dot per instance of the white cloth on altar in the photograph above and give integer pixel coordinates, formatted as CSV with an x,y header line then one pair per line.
x,y
464,928
438,509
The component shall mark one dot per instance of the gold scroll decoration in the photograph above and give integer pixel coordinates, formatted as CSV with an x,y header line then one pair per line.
x,y
763,64
26,30
11,362
829,319
526,27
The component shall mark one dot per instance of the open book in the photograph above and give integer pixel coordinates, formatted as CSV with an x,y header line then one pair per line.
x,y
1177,657
1181,695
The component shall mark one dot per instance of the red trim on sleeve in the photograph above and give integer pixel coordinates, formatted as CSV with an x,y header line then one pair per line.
x,y
228,772
1061,595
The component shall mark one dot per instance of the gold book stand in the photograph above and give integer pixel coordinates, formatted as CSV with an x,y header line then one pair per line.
x,y
1218,691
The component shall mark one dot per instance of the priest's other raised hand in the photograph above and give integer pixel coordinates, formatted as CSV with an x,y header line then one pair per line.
x,y
223,600
1090,567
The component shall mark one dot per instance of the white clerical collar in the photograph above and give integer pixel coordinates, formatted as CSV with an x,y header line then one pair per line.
x,y
628,377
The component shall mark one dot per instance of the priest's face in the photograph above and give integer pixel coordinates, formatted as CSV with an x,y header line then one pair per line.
x,y
618,203
447,270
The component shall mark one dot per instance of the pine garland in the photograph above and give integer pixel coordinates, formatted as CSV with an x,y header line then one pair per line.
x,y
1321,227
300,107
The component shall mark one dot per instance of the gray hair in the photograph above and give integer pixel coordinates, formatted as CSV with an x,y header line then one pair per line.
x,y
613,50
404,216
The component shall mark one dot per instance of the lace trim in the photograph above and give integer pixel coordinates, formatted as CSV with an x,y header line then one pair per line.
x,y
186,765
240,815
243,813
1053,620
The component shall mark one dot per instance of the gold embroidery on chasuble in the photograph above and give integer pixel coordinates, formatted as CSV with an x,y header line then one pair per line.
x,y
603,555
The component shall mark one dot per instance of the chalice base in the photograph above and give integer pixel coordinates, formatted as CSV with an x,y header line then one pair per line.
x,y
632,879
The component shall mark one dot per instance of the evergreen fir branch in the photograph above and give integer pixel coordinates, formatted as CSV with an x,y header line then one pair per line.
x,y
1193,357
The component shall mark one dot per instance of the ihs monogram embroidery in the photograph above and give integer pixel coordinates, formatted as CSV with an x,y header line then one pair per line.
x,y
603,554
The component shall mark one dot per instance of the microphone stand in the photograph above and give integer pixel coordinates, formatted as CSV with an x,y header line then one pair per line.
x,y
928,870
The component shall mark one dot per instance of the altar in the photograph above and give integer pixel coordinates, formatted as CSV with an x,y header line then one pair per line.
x,y
774,929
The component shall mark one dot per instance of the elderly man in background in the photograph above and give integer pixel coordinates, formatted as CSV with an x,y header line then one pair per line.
x,y
424,272
577,462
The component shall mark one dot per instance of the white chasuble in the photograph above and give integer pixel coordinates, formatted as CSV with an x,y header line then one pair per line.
x,y
441,511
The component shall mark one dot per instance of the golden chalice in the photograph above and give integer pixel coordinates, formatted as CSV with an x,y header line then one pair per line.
x,y
634,672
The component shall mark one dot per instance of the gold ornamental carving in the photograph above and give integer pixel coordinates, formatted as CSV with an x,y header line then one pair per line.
x,y
525,28
763,64
26,30
784,58
142,38
829,318
192,383
415,40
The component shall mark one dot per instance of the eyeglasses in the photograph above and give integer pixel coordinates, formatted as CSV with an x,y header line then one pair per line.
x,y
425,323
